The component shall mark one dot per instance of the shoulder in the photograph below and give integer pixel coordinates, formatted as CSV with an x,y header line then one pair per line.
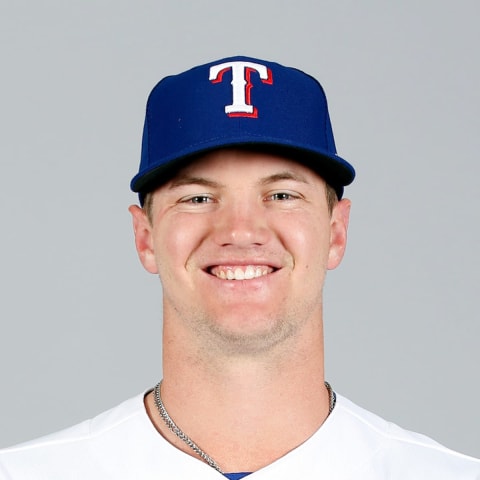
x,y
398,452
80,449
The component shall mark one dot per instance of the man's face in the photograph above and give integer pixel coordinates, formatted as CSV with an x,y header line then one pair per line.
x,y
241,242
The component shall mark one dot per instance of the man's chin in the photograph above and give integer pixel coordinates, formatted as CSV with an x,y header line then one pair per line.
x,y
251,338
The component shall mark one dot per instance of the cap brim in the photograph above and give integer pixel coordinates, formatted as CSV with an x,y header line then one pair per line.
x,y
336,171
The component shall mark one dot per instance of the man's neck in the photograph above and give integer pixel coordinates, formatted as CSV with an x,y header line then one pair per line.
x,y
245,412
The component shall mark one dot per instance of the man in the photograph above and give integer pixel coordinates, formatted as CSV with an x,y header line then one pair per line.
x,y
241,216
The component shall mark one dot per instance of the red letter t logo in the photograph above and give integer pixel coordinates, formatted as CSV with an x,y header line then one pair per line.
x,y
241,72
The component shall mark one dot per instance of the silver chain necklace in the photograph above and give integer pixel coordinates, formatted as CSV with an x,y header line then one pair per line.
x,y
187,440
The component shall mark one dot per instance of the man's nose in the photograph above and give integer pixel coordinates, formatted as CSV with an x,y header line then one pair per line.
x,y
242,224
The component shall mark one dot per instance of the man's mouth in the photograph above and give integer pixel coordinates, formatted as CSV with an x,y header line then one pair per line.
x,y
240,272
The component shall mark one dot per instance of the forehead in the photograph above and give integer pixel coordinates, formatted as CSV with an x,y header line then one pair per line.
x,y
248,165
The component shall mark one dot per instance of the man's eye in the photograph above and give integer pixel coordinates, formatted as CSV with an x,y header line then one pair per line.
x,y
198,199
281,196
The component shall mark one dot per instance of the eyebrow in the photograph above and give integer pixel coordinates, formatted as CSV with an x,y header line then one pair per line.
x,y
192,180
285,175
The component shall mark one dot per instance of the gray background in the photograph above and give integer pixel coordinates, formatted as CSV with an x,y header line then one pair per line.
x,y
81,320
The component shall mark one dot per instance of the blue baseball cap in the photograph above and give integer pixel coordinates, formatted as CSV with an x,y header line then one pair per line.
x,y
238,102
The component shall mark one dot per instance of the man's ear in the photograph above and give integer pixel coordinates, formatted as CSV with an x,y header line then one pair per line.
x,y
143,238
338,232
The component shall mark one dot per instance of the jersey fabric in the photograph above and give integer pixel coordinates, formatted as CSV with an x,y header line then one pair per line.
x,y
236,476
123,444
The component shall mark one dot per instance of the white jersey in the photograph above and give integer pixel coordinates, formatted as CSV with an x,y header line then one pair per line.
x,y
123,444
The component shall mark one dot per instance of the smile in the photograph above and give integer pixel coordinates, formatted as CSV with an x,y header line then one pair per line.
x,y
240,272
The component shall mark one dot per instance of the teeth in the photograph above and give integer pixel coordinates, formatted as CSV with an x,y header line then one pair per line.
x,y
249,273
241,273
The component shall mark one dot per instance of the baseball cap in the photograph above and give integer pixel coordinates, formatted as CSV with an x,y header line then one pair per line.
x,y
238,102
